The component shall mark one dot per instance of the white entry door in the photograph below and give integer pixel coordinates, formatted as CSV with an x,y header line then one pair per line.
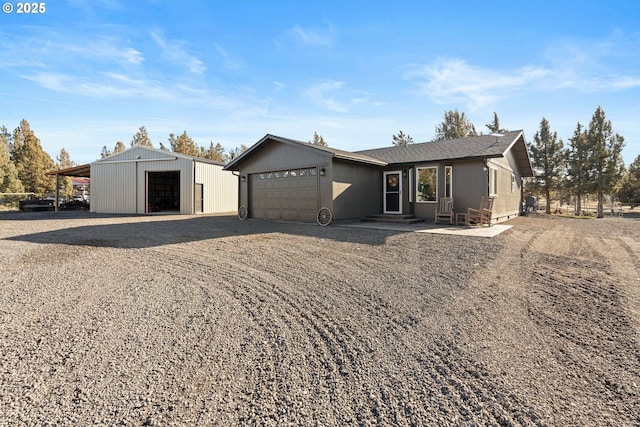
x,y
392,186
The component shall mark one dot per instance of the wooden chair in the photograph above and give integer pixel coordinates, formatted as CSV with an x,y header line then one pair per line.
x,y
480,216
445,210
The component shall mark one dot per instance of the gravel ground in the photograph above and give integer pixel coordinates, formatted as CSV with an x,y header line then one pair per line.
x,y
207,320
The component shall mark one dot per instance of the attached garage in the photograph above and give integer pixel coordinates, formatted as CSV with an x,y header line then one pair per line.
x,y
290,194
147,180
281,178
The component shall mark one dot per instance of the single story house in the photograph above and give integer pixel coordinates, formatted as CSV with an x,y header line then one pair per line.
x,y
145,180
281,178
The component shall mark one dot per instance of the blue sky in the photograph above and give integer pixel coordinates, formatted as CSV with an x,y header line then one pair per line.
x,y
89,73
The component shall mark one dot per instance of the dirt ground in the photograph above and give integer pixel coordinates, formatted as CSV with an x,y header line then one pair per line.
x,y
205,320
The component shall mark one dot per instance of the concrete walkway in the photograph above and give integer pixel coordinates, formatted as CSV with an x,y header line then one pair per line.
x,y
430,227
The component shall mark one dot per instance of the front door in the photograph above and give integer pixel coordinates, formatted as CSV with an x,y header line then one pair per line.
x,y
392,192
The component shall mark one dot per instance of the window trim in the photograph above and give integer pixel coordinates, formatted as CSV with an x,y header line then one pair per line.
x,y
450,183
493,181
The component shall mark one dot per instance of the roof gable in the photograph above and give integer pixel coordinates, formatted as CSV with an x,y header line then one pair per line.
x,y
140,152
330,152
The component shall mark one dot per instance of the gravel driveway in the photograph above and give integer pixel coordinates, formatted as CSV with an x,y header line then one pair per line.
x,y
207,320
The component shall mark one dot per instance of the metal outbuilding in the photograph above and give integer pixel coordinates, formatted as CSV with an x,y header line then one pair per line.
x,y
148,180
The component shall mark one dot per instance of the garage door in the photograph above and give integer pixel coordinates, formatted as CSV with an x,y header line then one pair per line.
x,y
287,194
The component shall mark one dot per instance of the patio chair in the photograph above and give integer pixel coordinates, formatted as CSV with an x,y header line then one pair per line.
x,y
445,210
481,216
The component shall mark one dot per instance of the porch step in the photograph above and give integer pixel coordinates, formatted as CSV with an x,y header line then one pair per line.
x,y
397,219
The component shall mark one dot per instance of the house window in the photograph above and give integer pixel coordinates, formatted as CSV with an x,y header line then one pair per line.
x,y
493,181
448,181
427,184
514,187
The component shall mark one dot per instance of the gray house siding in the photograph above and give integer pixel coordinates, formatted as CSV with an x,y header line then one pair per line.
x,y
357,189
508,196
351,184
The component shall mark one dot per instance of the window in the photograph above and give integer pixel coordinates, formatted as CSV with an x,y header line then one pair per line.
x,y
514,187
427,184
493,181
448,181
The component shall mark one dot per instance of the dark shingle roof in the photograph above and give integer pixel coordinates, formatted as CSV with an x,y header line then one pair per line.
x,y
477,147
455,149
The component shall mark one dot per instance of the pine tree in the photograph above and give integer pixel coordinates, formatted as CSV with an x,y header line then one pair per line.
x,y
318,140
630,188
105,152
9,181
141,138
605,148
120,147
577,165
401,139
215,153
548,159
494,126
455,125
183,144
32,162
65,162
235,153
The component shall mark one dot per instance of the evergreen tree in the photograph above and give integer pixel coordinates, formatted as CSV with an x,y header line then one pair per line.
x,y
65,162
32,162
9,181
605,148
578,165
630,189
120,147
235,153
401,139
213,152
548,159
141,138
318,140
105,152
183,144
494,126
455,125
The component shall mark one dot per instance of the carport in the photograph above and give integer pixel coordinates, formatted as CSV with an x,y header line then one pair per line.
x,y
82,171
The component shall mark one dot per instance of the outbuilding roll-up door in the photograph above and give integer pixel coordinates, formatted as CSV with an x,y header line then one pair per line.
x,y
286,194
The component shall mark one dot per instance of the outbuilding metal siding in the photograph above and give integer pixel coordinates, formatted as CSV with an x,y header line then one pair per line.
x,y
119,183
220,188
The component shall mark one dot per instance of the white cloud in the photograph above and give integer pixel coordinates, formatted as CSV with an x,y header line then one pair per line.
x,y
312,36
176,51
455,81
229,62
321,93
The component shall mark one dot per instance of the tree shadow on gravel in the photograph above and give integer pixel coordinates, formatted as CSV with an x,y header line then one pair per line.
x,y
143,231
